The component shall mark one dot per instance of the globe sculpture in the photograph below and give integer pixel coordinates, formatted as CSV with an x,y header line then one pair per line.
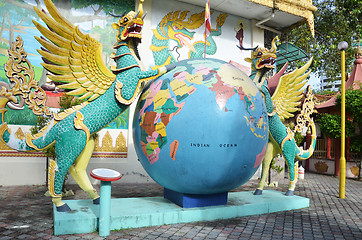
x,y
201,128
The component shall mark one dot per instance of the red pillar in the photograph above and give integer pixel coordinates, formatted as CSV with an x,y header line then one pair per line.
x,y
337,155
328,148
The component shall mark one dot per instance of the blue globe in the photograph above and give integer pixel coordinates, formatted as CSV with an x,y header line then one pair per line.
x,y
201,128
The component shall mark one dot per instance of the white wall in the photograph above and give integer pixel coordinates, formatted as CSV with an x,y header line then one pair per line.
x,y
32,170
226,43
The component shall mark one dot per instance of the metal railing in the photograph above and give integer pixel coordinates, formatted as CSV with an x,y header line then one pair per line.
x,y
321,149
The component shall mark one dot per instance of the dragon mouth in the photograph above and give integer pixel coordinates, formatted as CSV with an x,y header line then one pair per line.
x,y
268,62
134,30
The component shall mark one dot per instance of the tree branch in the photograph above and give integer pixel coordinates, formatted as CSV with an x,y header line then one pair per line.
x,y
20,4
96,12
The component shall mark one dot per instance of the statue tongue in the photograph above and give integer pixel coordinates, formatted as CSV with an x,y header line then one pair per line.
x,y
185,42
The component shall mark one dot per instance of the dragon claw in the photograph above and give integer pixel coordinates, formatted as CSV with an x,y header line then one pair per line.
x,y
258,192
96,201
289,193
64,208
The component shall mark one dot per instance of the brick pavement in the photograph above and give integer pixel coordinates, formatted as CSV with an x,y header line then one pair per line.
x,y
25,213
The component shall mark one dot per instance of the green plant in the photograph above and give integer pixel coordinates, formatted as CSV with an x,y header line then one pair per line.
x,y
334,21
323,92
331,125
297,135
356,144
278,169
353,104
68,101
298,138
41,122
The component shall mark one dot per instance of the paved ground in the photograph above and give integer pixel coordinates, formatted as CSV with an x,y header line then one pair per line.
x,y
26,214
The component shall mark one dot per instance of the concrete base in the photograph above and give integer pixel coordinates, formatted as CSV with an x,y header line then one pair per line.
x,y
195,200
153,211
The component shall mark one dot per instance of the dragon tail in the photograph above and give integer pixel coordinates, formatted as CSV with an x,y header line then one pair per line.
x,y
305,154
304,119
22,88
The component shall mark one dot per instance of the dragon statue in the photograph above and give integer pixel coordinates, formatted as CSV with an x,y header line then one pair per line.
x,y
74,59
174,27
281,101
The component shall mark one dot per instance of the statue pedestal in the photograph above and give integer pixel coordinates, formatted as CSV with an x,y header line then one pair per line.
x,y
195,200
154,211
106,176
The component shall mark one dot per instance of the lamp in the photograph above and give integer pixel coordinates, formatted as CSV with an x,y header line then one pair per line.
x,y
342,46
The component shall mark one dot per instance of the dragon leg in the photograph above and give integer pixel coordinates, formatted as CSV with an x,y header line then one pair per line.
x,y
293,178
67,147
288,151
79,174
271,151
265,168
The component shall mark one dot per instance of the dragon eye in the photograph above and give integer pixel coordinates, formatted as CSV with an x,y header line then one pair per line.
x,y
259,54
175,28
125,19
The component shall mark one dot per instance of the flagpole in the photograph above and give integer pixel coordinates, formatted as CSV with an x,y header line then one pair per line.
x,y
205,45
207,24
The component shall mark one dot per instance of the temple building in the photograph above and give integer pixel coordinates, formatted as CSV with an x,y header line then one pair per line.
x,y
327,154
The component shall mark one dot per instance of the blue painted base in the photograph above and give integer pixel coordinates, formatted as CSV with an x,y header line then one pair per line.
x,y
153,211
195,200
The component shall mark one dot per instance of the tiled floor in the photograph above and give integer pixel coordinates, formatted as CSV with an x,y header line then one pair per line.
x,y
25,213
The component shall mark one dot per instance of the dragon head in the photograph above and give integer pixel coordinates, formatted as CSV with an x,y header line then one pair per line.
x,y
174,27
263,59
130,25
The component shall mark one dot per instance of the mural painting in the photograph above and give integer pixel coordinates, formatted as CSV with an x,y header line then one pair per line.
x,y
180,34
73,59
17,19
175,26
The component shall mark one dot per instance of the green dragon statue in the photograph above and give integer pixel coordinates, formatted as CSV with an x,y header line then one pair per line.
x,y
280,105
74,59
174,27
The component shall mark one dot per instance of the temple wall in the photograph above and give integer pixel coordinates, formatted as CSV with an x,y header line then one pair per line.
x,y
29,170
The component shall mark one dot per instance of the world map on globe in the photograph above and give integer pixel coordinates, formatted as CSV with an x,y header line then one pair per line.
x,y
201,128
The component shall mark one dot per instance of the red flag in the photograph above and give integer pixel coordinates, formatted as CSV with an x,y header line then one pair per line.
x,y
207,23
207,19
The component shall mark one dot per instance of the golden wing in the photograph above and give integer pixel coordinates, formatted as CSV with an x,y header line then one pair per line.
x,y
290,91
72,57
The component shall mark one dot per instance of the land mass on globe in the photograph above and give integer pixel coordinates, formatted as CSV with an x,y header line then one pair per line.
x,y
197,120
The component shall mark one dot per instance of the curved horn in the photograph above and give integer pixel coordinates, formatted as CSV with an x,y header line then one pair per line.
x,y
138,13
144,15
119,16
248,49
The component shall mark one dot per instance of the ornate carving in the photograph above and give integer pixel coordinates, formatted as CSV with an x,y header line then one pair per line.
x,y
304,119
23,86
